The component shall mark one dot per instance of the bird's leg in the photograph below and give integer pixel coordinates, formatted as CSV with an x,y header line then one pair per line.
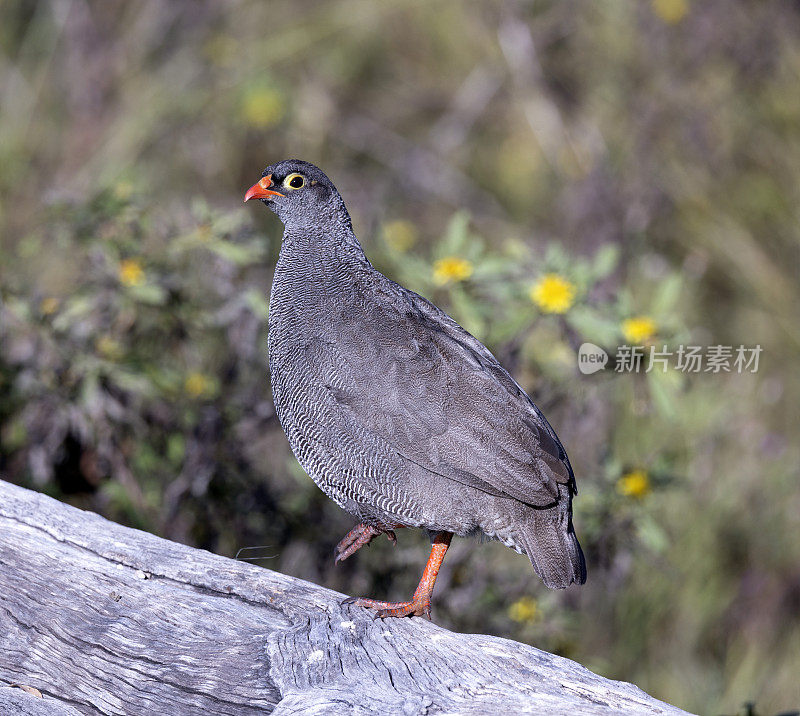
x,y
357,537
420,604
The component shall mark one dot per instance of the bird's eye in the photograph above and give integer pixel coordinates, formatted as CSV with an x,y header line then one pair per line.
x,y
294,181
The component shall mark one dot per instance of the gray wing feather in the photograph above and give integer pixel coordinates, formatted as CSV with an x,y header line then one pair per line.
x,y
409,374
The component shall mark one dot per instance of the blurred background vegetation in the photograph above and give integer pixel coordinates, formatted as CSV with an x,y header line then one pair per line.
x,y
546,171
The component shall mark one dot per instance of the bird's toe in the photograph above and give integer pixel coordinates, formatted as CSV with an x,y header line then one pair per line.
x,y
414,608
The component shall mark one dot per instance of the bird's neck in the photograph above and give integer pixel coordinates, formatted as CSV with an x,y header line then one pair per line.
x,y
326,254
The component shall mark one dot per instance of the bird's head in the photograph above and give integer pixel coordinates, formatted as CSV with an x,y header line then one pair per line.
x,y
298,192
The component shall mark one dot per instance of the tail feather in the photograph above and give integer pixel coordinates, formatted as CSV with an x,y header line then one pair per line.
x,y
549,540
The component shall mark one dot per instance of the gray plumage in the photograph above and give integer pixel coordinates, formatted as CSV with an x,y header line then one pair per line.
x,y
399,414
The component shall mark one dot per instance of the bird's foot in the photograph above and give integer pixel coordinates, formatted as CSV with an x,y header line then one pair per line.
x,y
357,537
417,607
420,604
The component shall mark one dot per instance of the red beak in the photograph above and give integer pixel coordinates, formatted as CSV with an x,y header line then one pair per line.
x,y
260,190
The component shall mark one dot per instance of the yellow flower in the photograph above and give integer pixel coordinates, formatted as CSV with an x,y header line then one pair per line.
x,y
204,232
635,483
198,384
671,11
131,272
109,348
400,235
49,305
123,190
451,268
639,329
525,610
263,107
553,293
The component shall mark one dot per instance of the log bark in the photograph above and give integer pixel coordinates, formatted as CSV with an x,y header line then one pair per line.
x,y
101,618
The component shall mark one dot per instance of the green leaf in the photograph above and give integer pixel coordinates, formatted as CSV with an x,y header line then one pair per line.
x,y
556,259
605,261
667,294
466,311
257,302
456,235
15,434
492,267
134,383
75,309
149,293
593,326
664,391
651,534
239,254
510,326
176,448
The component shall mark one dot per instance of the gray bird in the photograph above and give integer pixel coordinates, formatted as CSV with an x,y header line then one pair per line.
x,y
400,416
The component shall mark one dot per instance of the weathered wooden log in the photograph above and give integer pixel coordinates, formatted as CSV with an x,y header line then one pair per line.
x,y
103,618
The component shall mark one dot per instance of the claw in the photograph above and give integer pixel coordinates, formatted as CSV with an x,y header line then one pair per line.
x,y
420,604
415,608
356,538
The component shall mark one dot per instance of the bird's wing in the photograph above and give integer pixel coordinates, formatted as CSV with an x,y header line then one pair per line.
x,y
406,372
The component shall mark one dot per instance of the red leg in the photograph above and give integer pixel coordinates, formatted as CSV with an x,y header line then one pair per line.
x,y
420,604
357,537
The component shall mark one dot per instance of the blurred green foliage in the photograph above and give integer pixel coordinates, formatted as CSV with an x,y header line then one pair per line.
x,y
643,156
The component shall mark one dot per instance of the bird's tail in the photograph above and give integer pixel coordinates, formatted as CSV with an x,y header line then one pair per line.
x,y
549,540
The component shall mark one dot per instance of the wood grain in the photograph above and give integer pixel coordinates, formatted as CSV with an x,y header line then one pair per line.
x,y
105,619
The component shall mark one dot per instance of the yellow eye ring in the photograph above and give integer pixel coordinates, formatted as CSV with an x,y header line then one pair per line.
x,y
294,181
